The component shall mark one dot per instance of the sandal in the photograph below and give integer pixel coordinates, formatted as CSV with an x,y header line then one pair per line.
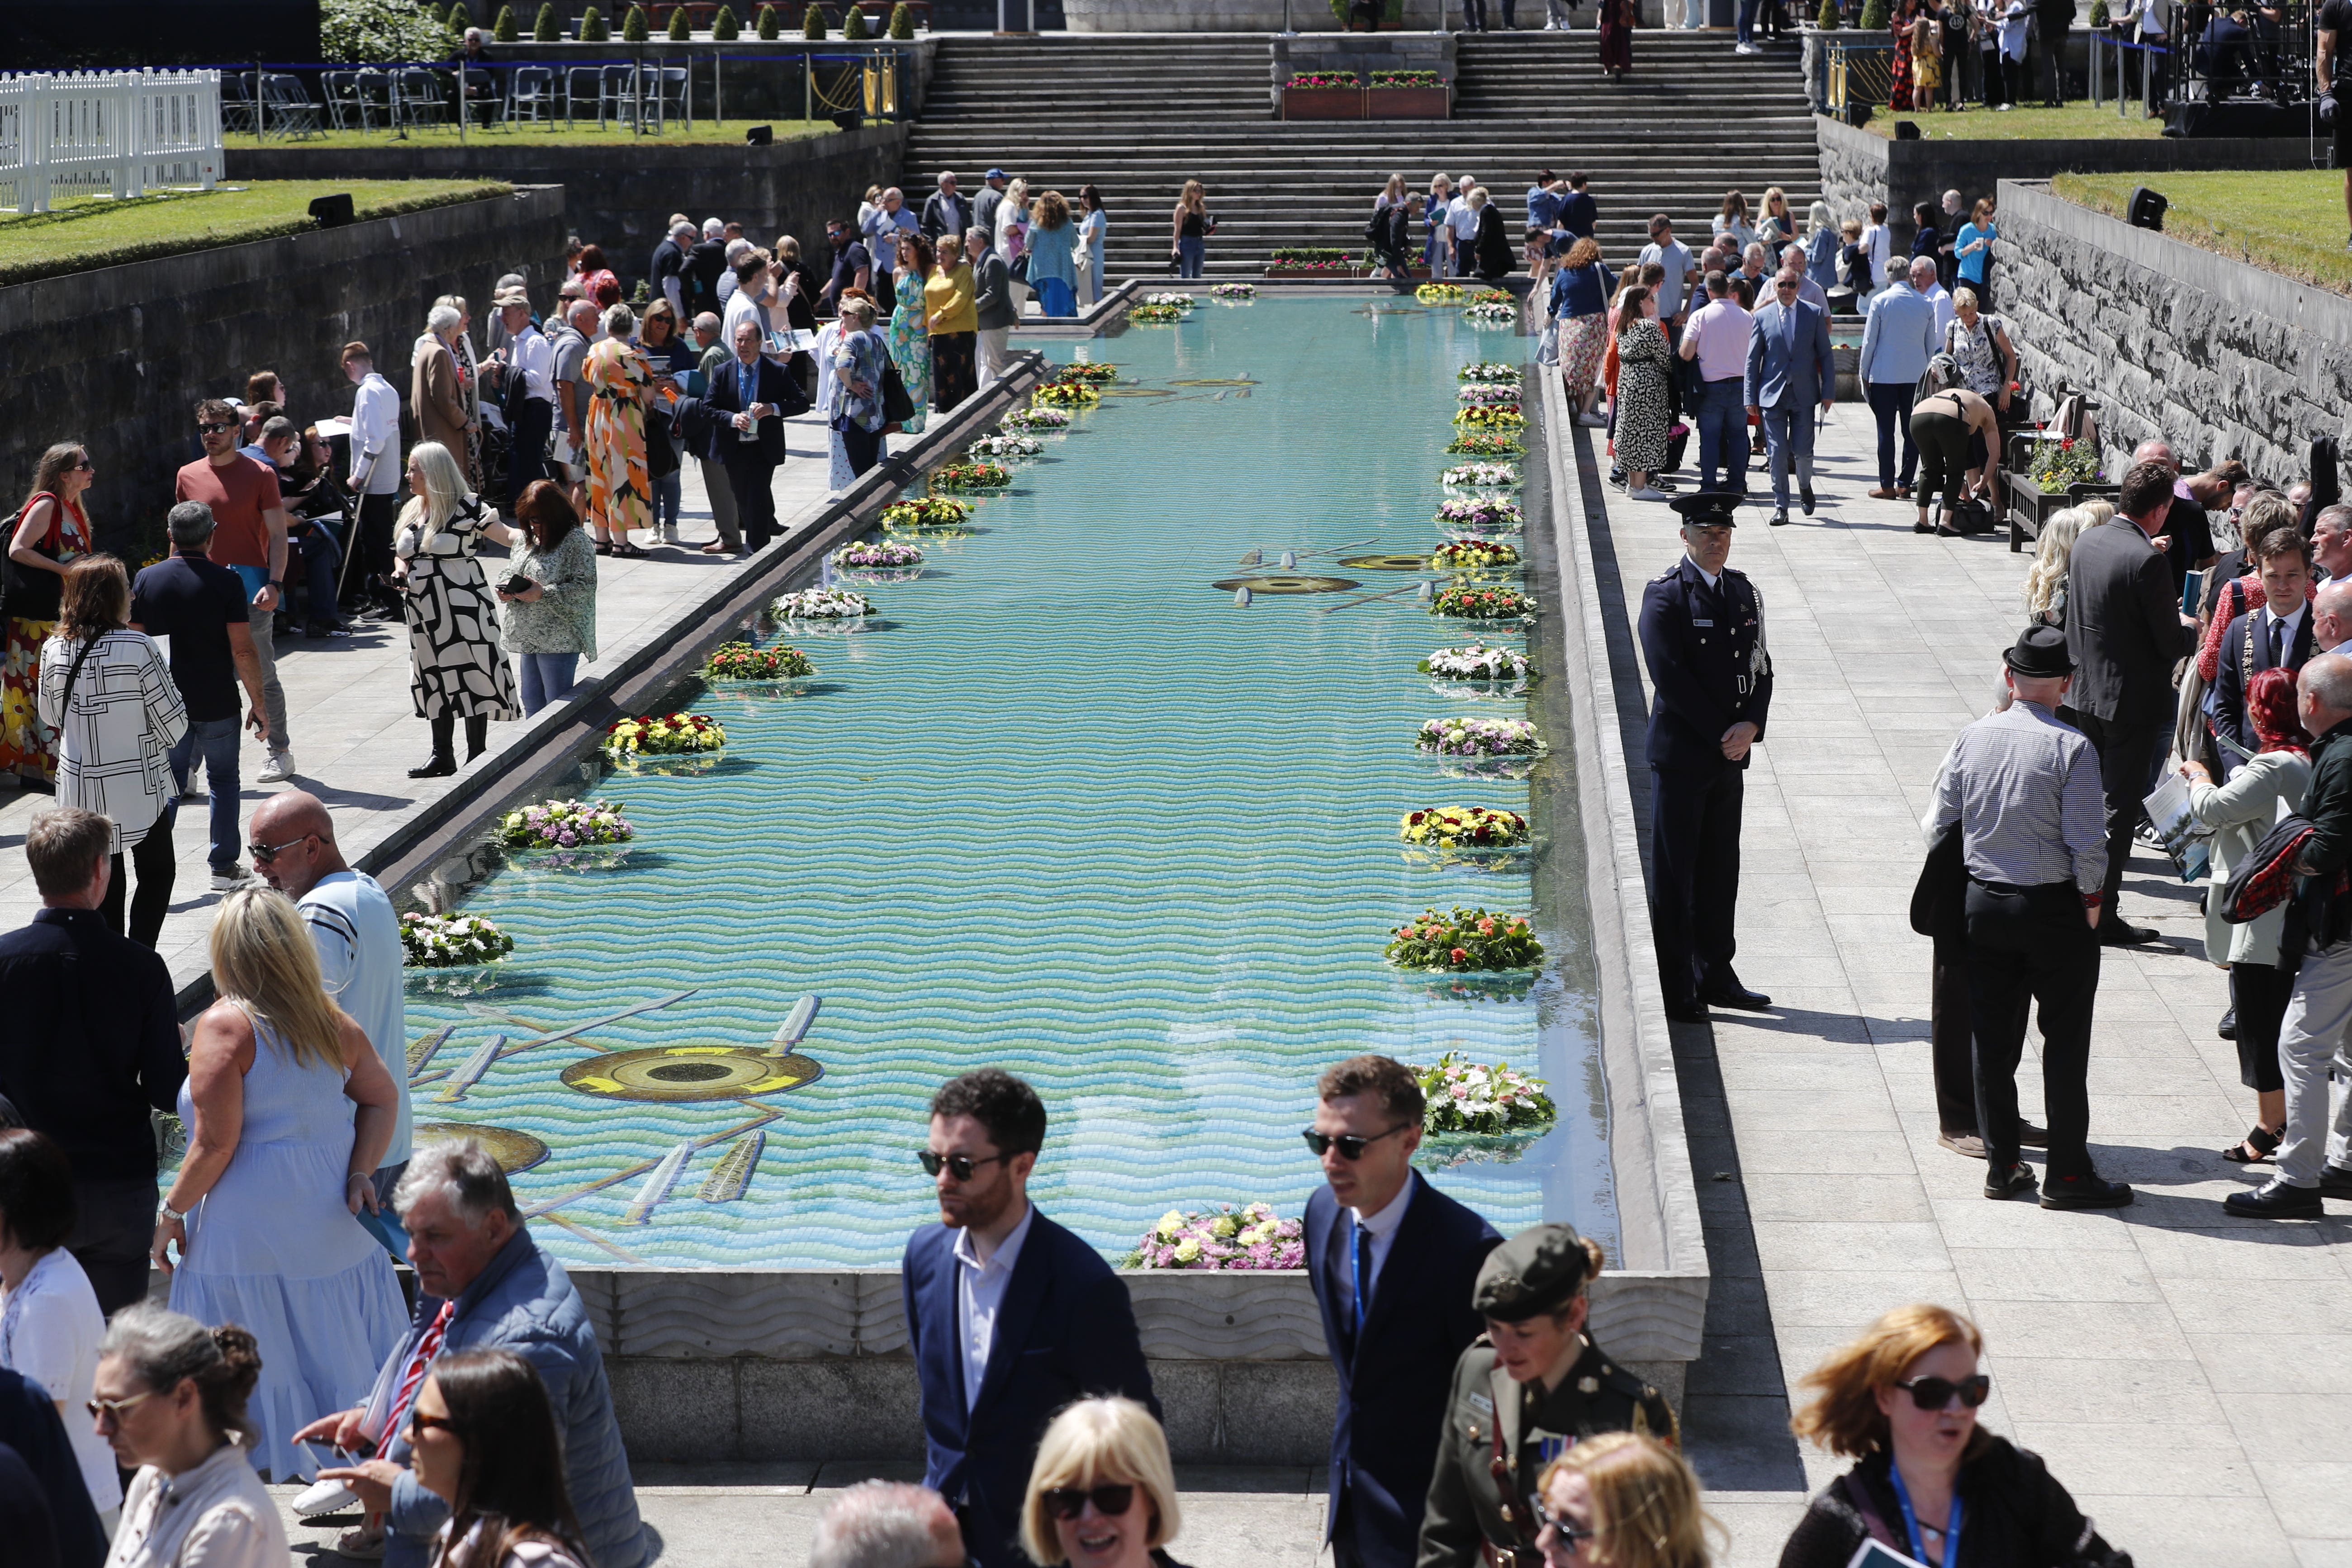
x,y
2262,1140
630,553
604,547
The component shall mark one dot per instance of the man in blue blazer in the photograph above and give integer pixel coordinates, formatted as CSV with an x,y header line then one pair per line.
x,y
1790,370
2273,635
1010,1316
750,396
1394,1262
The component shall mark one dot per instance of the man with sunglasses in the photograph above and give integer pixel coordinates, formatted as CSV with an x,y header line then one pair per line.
x,y
1391,1260
1009,1317
249,526
1532,1386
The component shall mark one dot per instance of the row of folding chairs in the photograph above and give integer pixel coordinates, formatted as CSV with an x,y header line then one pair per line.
x,y
271,100
365,100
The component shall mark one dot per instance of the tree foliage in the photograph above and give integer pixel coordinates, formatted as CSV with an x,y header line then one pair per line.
x,y
359,30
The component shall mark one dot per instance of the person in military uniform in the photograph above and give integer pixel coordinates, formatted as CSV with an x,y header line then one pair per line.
x,y
1703,638
1529,1389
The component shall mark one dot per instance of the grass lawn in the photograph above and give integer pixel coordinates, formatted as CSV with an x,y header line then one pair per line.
x,y
2024,123
584,134
96,232
2288,220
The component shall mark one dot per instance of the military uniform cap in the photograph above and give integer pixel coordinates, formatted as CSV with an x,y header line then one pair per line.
x,y
1709,509
1539,1270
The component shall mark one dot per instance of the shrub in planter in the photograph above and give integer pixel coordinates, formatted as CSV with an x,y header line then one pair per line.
x,y
593,29
853,26
2098,12
682,26
635,28
1827,20
547,29
811,23
724,27
503,31
1876,14
902,20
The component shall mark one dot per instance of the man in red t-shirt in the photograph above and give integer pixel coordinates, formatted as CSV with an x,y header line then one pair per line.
x,y
249,538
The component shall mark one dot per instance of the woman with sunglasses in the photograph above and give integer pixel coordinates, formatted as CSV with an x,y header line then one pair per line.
x,y
1929,1482
171,1399
1623,1501
1102,1493
481,1436
49,533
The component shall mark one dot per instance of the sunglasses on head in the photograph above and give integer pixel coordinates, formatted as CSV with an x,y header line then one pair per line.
x,y
1351,1146
1069,1502
1935,1393
960,1166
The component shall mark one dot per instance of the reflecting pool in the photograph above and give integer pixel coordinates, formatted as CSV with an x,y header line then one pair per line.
x,y
1067,808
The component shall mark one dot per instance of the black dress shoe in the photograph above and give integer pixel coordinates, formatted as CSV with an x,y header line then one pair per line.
x,y
2335,1182
1923,527
2118,933
1731,993
1805,496
2029,1136
2276,1200
1778,519
1686,1012
2012,1183
2084,1192
2228,1028
435,768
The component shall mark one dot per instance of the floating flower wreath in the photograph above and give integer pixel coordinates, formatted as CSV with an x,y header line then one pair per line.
x,y
1155,315
1037,419
1465,941
565,824
1092,373
1484,444
1478,738
1233,291
663,735
1463,828
1484,514
820,605
1475,418
927,511
875,553
1441,294
971,476
1068,394
450,942
1183,302
1469,601
1492,314
1476,662
741,661
1489,393
1474,556
1005,447
1481,476
1490,370
1221,1237
1460,1096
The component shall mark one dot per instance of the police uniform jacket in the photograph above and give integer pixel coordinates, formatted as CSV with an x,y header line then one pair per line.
x,y
1708,665
1488,1415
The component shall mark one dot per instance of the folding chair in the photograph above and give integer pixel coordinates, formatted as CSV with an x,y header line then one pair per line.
x,y
417,96
667,94
237,101
346,111
529,89
618,99
583,84
290,108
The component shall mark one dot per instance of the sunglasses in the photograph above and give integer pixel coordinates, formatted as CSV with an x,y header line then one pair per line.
x,y
419,1423
1351,1146
263,854
215,428
1935,1393
960,1166
84,465
1571,1534
101,1409
1069,1502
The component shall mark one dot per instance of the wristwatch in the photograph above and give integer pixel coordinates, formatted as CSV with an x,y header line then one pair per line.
x,y
164,1211
276,583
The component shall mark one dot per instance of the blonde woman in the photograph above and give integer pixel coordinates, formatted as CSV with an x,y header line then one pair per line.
x,y
1012,237
1625,1501
1901,1401
2045,580
618,377
1102,1490
289,1112
1189,229
469,378
1776,227
1441,195
455,669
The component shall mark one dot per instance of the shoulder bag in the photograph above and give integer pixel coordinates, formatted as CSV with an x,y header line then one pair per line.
x,y
26,592
897,406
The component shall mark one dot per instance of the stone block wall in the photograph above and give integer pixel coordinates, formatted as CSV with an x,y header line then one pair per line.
x,y
118,357
789,187
2218,356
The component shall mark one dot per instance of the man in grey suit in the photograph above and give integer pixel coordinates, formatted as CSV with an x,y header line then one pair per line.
x,y
1788,371
991,282
2126,632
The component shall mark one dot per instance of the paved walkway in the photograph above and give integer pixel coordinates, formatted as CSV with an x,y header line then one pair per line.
x,y
355,732
2188,1376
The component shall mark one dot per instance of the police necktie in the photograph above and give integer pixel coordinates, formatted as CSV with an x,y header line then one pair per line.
x,y
1363,1271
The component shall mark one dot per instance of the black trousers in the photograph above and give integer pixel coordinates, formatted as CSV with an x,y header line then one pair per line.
x,y
1694,875
1995,86
2123,753
864,447
1890,404
751,479
378,515
534,422
2259,993
1951,1040
2032,945
151,857
2053,75
113,1226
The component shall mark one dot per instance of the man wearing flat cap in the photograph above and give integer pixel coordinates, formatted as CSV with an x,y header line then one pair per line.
x,y
2025,790
1532,1386
1702,633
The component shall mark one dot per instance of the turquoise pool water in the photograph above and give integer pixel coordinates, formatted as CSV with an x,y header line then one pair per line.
x,y
1071,811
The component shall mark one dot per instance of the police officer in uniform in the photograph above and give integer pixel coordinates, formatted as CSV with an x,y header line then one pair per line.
x,y
1528,1388
1703,638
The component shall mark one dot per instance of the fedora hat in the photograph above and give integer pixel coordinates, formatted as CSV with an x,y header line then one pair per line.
x,y
2040,654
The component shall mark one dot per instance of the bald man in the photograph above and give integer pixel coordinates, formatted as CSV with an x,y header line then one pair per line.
x,y
358,937
2331,617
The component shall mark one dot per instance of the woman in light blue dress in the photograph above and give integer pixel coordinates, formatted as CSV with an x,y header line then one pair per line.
x,y
288,1109
1053,254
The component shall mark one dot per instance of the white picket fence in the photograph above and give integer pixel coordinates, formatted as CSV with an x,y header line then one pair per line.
x,y
119,134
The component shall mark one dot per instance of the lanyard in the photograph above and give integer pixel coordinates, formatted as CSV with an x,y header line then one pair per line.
x,y
1911,1523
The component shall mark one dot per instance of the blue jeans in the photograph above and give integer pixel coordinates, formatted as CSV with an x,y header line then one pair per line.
x,y
1789,436
665,501
215,739
1722,433
1747,29
546,678
1190,250
320,560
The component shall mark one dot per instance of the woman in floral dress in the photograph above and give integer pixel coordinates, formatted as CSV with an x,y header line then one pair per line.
x,y
1898,95
1643,414
49,533
620,490
910,338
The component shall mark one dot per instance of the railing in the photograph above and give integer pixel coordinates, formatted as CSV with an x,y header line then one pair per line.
x,y
2148,102
118,133
1859,74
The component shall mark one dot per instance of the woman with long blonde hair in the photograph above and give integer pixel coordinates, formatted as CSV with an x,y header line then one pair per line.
x,y
2045,580
1624,1499
1189,230
455,669
289,1110
1901,1401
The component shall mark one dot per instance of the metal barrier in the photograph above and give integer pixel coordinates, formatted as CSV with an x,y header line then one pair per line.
x,y
118,133
1859,74
2148,102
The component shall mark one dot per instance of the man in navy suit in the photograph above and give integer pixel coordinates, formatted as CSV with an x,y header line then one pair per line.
x,y
1393,1261
1790,370
2275,636
751,394
1010,1316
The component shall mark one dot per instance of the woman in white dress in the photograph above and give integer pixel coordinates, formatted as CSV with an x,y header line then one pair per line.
x,y
50,1324
1093,228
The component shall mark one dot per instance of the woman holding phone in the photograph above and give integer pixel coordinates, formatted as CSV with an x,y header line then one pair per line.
x,y
547,599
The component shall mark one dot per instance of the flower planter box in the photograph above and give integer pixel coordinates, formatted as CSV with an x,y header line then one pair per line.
x,y
2030,505
1407,103
1323,103
1313,272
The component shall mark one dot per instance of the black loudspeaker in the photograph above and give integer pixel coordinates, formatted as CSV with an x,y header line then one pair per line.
x,y
2145,209
759,136
1906,130
331,212
850,119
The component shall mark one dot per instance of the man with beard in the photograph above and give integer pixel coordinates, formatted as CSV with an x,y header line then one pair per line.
x,y
1010,1316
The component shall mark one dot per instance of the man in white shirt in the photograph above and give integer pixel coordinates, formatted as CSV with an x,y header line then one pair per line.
x,y
1936,294
375,477
889,220
2278,634
358,940
737,249
1462,229
1681,271
530,405
2331,543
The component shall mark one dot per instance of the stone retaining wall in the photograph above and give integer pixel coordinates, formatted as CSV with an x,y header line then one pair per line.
x,y
2220,357
622,201
117,357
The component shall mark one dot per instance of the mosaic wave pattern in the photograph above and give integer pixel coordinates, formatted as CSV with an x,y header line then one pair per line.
x,y
1070,811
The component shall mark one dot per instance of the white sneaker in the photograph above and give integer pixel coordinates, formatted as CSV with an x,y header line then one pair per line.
x,y
1646,493
323,1498
278,769
1594,421
229,881
670,533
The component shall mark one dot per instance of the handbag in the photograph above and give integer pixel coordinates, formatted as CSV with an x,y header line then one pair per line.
x,y
897,407
25,594
1547,346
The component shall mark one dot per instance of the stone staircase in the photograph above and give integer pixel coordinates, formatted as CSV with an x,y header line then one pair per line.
x,y
1139,114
